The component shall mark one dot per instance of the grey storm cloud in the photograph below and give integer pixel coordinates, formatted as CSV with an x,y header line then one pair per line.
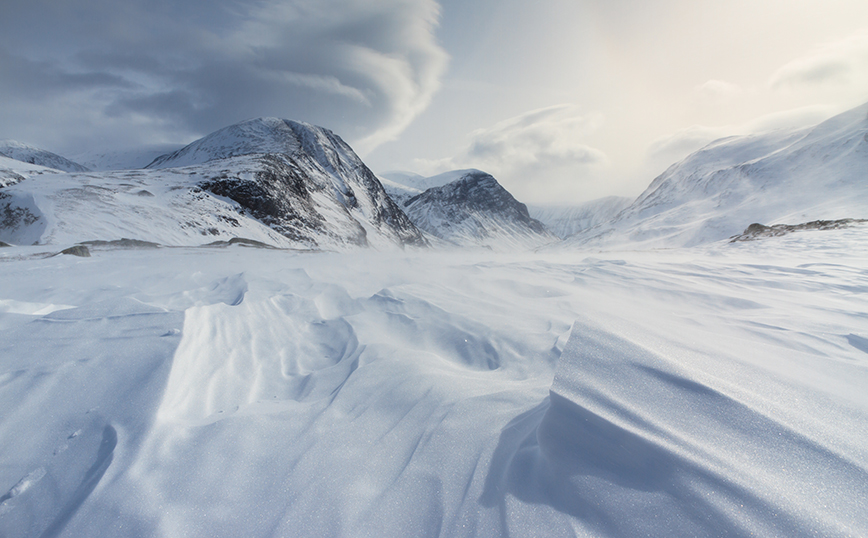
x,y
363,69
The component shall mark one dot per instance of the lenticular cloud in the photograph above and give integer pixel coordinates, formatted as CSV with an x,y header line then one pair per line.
x,y
364,69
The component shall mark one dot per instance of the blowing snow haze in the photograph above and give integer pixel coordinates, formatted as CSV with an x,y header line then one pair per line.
x,y
442,269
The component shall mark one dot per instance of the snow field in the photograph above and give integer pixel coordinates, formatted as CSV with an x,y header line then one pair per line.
x,y
242,392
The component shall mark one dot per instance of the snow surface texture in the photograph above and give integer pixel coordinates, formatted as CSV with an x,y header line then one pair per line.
x,y
783,177
564,221
470,209
713,391
29,154
279,182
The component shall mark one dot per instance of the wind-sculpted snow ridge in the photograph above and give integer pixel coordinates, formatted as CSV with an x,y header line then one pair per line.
x,y
783,176
684,452
282,183
475,210
29,154
219,392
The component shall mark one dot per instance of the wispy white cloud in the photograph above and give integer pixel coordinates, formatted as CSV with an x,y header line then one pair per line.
x,y
719,90
830,71
839,63
671,149
536,155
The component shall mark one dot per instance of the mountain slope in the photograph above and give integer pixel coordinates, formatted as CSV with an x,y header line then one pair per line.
x,y
282,183
475,210
311,179
29,154
13,171
402,186
780,177
564,221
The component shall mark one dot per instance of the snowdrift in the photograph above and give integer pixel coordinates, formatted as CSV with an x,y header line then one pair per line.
x,y
252,392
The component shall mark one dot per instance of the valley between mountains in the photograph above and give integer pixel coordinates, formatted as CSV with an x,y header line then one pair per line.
x,y
256,335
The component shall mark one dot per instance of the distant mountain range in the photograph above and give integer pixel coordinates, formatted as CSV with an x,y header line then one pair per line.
x,y
290,184
280,182
469,208
564,221
782,177
29,154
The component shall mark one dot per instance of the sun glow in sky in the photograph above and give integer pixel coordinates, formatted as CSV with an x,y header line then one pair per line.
x,y
562,100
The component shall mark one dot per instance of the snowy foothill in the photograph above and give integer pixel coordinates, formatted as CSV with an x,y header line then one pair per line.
x,y
40,157
709,391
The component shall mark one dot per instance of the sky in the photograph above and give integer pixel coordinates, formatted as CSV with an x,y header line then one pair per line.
x,y
563,101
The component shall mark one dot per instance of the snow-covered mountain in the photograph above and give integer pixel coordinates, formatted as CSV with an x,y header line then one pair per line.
x,y
310,183
564,221
786,177
276,181
123,159
260,136
209,393
402,186
33,155
13,171
475,210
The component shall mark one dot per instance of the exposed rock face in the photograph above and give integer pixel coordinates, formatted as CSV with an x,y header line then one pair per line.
x,y
758,231
278,182
305,182
476,210
78,250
